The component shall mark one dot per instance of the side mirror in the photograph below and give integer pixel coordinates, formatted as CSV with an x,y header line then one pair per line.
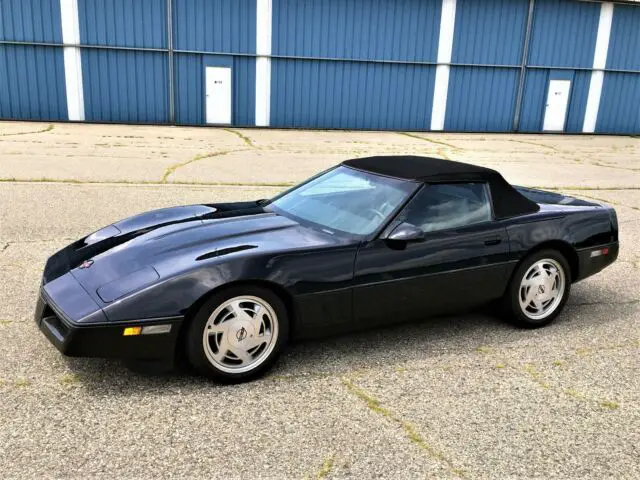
x,y
406,232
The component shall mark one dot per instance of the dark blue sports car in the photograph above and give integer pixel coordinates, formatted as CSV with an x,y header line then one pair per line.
x,y
372,241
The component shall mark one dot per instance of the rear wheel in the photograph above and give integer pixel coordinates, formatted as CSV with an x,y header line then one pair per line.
x,y
538,290
238,333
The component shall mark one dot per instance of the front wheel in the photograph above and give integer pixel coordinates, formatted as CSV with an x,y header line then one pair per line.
x,y
538,290
238,333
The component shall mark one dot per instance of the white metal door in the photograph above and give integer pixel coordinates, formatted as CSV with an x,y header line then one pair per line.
x,y
218,88
555,112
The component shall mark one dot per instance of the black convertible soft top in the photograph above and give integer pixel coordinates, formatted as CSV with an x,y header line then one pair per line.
x,y
507,201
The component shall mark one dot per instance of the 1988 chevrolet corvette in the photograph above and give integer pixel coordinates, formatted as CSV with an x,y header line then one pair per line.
x,y
371,241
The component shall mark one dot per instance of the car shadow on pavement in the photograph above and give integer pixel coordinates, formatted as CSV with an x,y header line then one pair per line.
x,y
332,356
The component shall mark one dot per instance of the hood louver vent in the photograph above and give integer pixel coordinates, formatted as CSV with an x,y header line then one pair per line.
x,y
225,251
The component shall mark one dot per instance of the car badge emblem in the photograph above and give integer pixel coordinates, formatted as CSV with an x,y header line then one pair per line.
x,y
541,289
241,334
86,264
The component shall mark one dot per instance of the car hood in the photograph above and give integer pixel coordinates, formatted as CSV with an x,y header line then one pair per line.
x,y
145,249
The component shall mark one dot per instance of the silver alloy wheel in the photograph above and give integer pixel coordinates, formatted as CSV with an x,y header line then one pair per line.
x,y
541,289
240,334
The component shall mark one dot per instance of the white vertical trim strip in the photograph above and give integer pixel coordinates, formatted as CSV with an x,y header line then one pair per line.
x,y
263,62
70,23
447,26
72,59
445,47
263,91
599,63
73,82
604,33
440,92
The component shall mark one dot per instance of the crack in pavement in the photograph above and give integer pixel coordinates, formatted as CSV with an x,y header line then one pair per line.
x,y
539,379
427,139
609,201
143,183
585,188
599,164
44,130
44,240
325,469
533,143
583,351
244,138
171,169
409,429
624,302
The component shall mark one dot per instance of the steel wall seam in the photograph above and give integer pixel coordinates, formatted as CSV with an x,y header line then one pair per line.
x,y
324,59
171,79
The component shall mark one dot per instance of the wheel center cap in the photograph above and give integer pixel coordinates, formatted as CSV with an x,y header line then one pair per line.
x,y
240,333
541,289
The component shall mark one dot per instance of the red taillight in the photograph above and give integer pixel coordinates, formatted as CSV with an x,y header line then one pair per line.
x,y
605,251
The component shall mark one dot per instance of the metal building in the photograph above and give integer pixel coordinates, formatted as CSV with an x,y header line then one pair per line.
x,y
452,65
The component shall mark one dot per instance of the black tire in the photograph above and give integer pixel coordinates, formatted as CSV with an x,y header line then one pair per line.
x,y
194,339
511,301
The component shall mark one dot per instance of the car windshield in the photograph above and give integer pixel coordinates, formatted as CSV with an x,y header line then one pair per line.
x,y
345,200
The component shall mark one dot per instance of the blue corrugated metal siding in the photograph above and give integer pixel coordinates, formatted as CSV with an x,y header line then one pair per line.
x,y
123,23
489,31
564,33
125,86
30,21
217,26
624,44
190,94
620,104
357,29
227,26
481,99
578,101
32,83
327,94
363,63
535,98
188,89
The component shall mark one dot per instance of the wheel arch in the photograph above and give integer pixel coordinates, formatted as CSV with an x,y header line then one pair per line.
x,y
563,247
509,303
275,288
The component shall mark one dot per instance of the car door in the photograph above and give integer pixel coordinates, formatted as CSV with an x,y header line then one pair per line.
x,y
461,261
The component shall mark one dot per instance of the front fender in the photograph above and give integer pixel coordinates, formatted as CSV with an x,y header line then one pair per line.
x,y
170,297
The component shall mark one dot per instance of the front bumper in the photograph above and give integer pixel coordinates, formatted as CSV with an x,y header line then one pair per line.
x,y
104,340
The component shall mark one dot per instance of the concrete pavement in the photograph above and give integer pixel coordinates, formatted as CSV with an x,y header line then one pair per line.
x,y
126,154
456,397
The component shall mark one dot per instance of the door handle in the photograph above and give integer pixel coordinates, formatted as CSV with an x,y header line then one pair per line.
x,y
493,241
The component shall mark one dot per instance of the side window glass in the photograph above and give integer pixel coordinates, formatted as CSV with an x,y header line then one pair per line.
x,y
451,205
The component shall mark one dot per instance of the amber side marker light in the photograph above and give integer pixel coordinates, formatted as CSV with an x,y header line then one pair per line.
x,y
148,330
131,331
